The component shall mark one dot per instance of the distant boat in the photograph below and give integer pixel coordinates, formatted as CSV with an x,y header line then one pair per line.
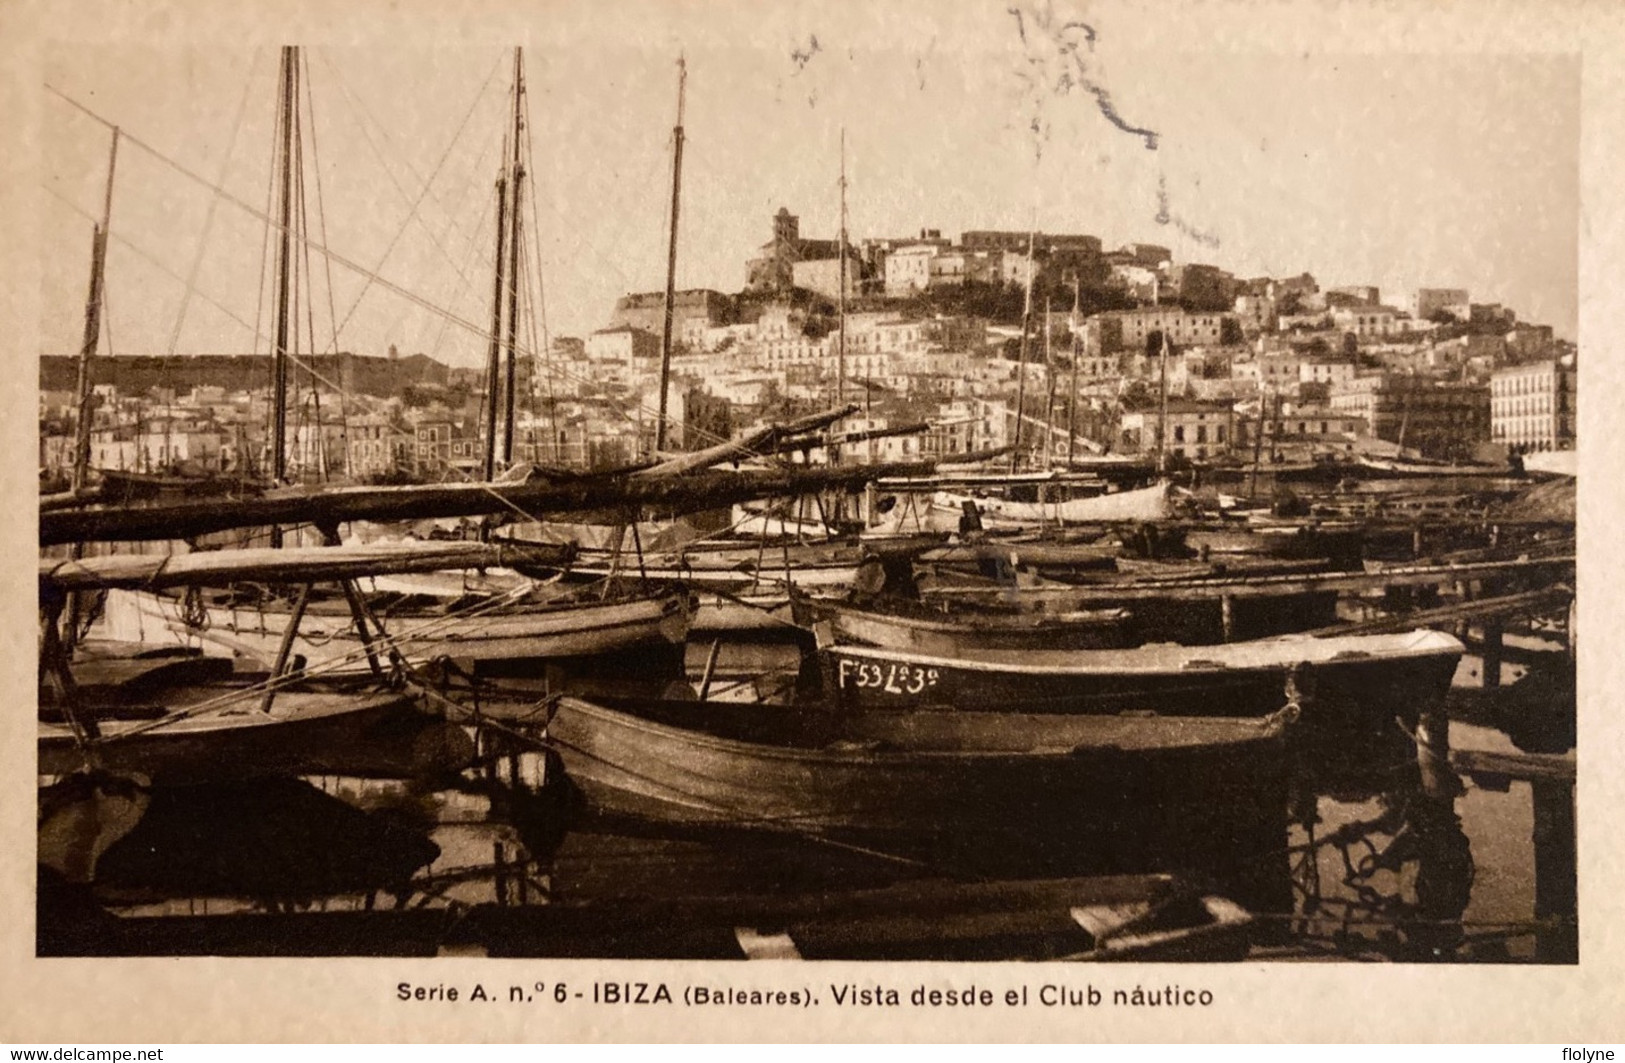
x,y
1145,503
1360,677
923,784
1372,466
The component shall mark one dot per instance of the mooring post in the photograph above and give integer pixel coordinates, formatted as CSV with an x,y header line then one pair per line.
x,y
1555,871
1439,779
1227,618
1492,653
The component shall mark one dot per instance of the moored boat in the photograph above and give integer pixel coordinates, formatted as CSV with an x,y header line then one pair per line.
x,y
215,734
923,784
1363,677
921,629
250,625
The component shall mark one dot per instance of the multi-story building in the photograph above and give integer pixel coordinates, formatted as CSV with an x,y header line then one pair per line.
x,y
1442,419
1368,321
1128,329
1329,371
953,268
371,444
617,352
1195,429
908,269
1533,406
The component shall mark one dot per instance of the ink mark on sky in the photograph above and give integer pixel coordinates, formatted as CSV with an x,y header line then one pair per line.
x,y
1168,217
1058,63
802,55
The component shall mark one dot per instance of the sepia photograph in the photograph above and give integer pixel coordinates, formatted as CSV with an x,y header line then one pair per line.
x,y
1012,483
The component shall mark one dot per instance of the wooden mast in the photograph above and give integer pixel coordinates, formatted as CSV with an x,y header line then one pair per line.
x,y
279,355
1162,410
493,354
671,254
515,181
279,363
840,356
93,326
1049,396
87,352
1021,363
1072,401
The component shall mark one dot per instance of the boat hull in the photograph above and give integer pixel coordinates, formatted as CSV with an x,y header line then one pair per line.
x,y
1367,686
949,636
383,735
328,640
929,786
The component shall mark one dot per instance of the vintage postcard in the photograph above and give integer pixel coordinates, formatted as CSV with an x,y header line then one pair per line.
x,y
1002,519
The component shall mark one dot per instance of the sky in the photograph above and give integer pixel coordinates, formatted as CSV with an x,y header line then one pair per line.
x,y
1392,168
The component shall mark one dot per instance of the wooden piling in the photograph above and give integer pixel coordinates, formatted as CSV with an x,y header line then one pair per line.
x,y
1556,873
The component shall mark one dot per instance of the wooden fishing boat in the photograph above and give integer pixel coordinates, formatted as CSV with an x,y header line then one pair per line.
x,y
221,734
925,784
1045,558
1145,503
734,567
920,629
1190,611
1297,540
1371,466
1351,678
247,622
1141,571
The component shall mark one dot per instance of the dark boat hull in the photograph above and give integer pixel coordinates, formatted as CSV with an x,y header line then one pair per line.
x,y
1028,790
1338,691
948,634
378,735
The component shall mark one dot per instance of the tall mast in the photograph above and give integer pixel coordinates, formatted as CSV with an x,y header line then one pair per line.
x,y
493,356
1049,395
1072,402
1162,411
279,388
671,253
516,178
1021,364
840,357
93,325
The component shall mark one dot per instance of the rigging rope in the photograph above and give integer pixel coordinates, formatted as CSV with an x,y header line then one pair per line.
x,y
427,185
352,265
208,217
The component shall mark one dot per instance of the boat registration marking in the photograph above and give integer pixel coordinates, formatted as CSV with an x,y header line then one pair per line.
x,y
892,677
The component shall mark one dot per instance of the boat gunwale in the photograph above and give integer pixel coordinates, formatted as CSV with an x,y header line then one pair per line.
x,y
1198,660
1253,730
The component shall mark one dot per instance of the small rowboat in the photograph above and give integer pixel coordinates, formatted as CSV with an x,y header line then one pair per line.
x,y
929,785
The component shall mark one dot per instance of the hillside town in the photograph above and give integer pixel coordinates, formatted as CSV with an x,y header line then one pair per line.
x,y
932,334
